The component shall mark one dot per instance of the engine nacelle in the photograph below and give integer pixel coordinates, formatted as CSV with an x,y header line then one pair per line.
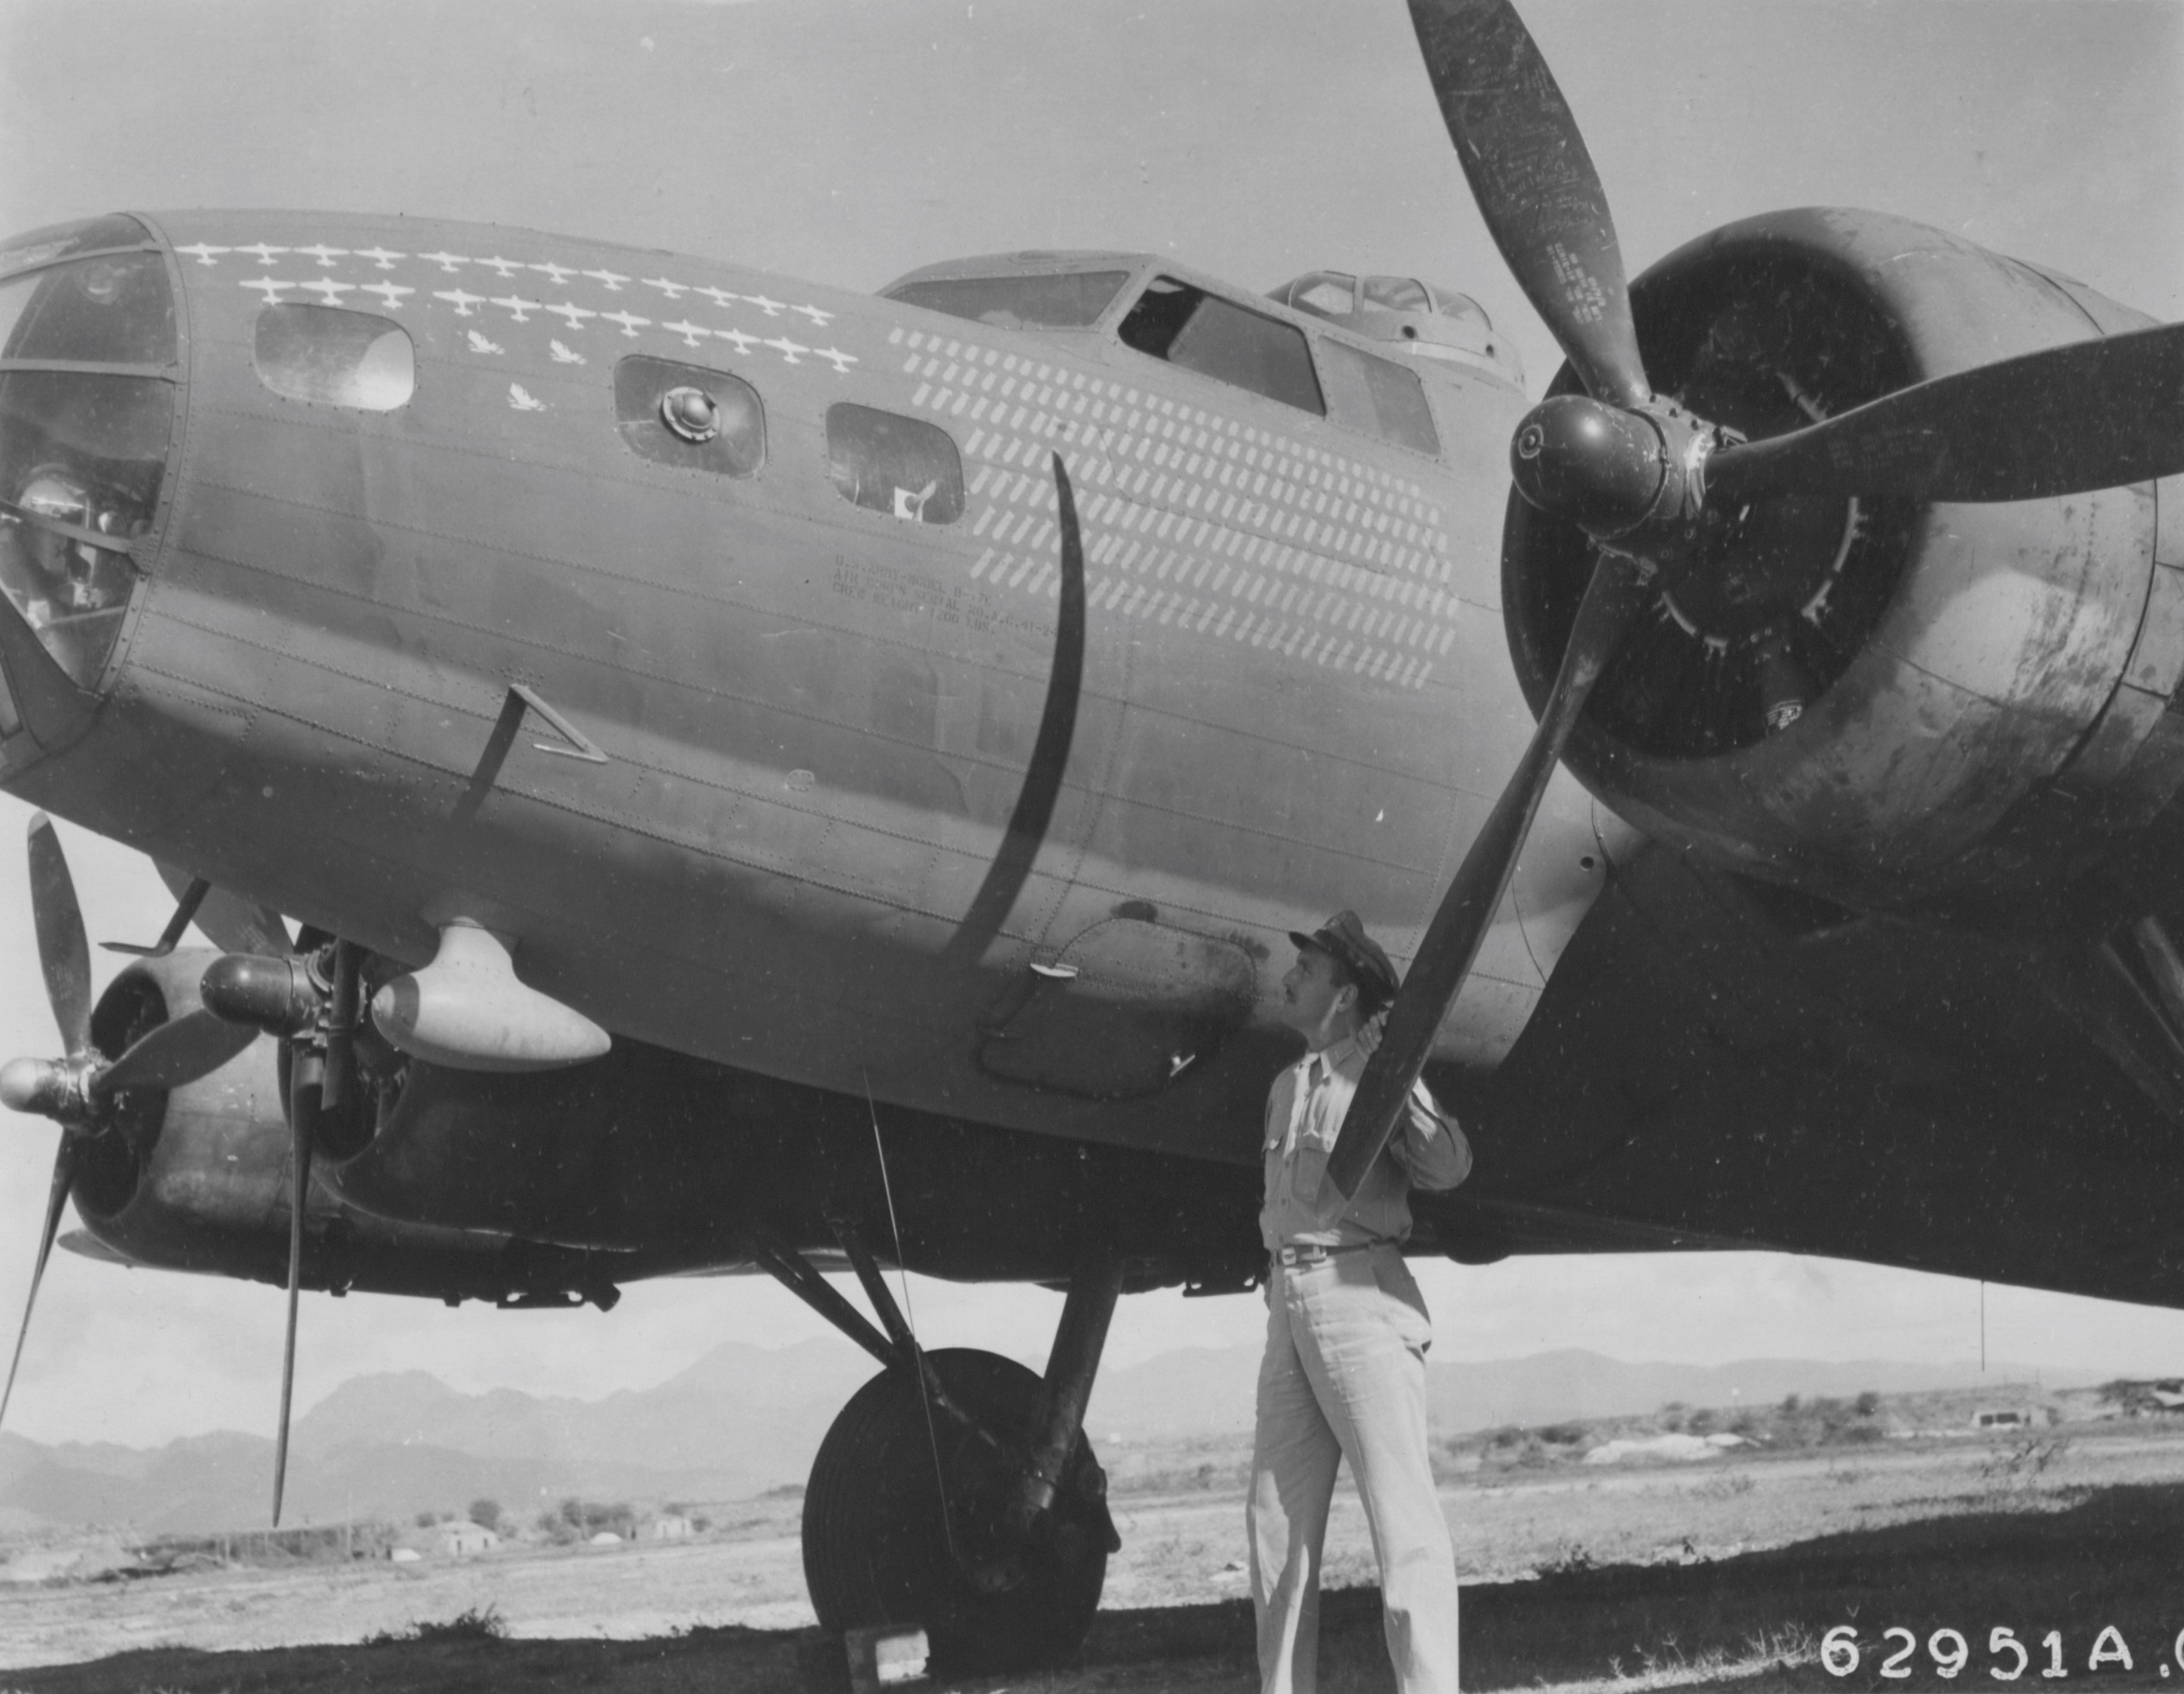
x,y
212,1152
1879,701
196,1178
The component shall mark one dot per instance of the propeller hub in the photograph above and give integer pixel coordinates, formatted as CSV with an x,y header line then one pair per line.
x,y
276,995
51,1088
1599,466
37,1086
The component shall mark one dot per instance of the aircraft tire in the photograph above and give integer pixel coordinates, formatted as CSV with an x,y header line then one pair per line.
x,y
878,1551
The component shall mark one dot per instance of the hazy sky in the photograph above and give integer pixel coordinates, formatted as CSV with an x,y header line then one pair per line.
x,y
848,143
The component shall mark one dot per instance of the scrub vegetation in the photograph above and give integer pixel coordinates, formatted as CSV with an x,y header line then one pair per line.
x,y
1648,1573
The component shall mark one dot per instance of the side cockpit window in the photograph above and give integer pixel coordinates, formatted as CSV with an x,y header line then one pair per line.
x,y
327,356
1186,326
898,465
1067,300
1379,396
690,416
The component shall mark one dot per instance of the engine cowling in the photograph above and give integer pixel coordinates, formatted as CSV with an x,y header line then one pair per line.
x,y
196,1178
1881,701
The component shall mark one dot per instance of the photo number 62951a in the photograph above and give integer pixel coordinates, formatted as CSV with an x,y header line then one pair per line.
x,y
1948,1652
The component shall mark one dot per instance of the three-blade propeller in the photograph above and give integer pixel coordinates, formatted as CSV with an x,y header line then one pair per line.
x,y
73,1090
76,1090
1636,472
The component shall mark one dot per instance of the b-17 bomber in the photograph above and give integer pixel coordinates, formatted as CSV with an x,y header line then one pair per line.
x,y
688,770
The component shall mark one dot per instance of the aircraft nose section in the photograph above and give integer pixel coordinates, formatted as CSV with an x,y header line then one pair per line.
x,y
89,387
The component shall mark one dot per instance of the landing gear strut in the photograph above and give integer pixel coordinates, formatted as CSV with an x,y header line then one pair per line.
x,y
956,1492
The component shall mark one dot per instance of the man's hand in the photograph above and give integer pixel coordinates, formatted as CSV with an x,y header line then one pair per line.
x,y
1370,1031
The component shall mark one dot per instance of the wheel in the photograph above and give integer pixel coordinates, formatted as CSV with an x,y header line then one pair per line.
x,y
877,1549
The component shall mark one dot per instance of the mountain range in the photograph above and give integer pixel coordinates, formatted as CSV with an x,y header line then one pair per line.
x,y
744,1419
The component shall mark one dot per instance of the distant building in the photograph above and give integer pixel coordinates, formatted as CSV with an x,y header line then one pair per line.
x,y
462,1538
2167,1393
2002,1417
671,1526
606,1538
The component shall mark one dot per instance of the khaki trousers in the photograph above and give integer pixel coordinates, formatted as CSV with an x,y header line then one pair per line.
x,y
1344,1377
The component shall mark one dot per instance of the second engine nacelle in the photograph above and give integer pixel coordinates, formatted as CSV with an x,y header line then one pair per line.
x,y
1877,700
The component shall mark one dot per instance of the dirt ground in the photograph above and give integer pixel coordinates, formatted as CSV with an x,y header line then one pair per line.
x,y
1572,1576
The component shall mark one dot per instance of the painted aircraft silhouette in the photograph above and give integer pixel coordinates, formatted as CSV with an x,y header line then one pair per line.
x,y
772,777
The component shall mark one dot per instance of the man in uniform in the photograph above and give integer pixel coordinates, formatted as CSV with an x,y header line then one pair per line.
x,y
1344,1375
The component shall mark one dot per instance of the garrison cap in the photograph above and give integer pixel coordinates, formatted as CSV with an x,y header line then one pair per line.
x,y
1343,937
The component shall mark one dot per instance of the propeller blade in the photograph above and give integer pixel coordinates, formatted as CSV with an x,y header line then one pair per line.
x,y
63,951
303,1099
56,1202
1535,185
2091,414
1611,599
231,923
193,1045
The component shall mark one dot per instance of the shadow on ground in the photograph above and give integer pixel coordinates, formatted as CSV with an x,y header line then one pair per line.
x,y
2113,1561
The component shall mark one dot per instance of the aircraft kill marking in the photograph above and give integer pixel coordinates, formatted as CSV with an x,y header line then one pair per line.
x,y
1192,521
519,307
1186,540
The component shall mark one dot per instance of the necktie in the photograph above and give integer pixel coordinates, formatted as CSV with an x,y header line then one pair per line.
x,y
1315,1075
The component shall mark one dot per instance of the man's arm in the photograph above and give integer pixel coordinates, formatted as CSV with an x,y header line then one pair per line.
x,y
1432,1150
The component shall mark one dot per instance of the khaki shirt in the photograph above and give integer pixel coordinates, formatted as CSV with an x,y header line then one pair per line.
x,y
1305,1109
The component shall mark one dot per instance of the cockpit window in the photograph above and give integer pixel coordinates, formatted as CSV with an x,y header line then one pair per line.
x,y
1186,326
331,357
1323,293
902,466
1073,301
114,309
1378,396
1397,294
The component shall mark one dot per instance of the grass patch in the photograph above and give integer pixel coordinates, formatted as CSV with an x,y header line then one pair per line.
x,y
478,1623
